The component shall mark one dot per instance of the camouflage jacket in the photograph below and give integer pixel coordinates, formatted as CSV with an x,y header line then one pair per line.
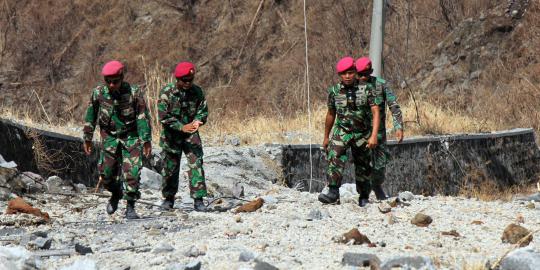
x,y
353,106
122,116
177,108
390,100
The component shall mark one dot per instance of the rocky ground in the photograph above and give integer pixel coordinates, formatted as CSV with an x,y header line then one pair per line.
x,y
291,230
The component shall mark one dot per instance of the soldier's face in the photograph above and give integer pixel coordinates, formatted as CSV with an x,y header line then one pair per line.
x,y
113,82
348,77
185,82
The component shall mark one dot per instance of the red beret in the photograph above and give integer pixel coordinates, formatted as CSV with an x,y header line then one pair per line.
x,y
184,69
112,68
363,64
345,64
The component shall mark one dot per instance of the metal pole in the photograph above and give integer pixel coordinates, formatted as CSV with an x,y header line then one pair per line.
x,y
377,36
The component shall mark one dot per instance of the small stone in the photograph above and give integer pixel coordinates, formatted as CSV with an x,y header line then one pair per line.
x,y
477,222
405,262
531,205
453,233
195,265
251,206
514,13
238,190
421,220
406,196
42,243
384,207
361,260
391,219
353,236
260,265
194,251
237,218
162,247
246,256
81,188
514,233
83,250
315,214
54,184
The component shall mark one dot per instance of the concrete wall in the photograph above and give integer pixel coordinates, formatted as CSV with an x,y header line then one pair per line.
x,y
431,165
65,152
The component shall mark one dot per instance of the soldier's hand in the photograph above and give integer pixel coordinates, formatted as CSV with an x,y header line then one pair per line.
x,y
189,128
372,142
399,135
87,146
147,149
197,123
325,145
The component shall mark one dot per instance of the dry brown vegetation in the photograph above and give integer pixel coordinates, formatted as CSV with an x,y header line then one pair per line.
x,y
252,64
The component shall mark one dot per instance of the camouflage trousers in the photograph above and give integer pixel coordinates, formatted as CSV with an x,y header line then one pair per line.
x,y
192,148
380,157
124,159
337,158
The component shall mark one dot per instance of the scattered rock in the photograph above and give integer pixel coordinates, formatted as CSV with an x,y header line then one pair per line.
x,y
531,205
250,206
385,207
28,182
238,218
353,236
406,196
5,193
521,259
194,251
195,265
5,164
82,264
520,219
82,250
477,222
391,219
232,140
18,205
150,179
405,262
16,258
514,233
361,260
41,243
162,247
246,256
453,233
315,214
260,265
81,188
421,220
531,198
55,184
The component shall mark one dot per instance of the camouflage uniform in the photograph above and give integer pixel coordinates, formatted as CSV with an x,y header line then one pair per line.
x,y
124,125
177,108
380,153
352,128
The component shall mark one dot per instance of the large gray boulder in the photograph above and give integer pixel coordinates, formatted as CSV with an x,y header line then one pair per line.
x,y
521,259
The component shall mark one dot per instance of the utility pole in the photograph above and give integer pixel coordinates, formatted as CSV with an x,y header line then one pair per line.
x,y
377,36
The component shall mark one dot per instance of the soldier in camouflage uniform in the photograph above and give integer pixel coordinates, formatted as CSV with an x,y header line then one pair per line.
x,y
182,110
121,113
349,105
380,153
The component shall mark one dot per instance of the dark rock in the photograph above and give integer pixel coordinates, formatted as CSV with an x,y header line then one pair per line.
x,y
41,243
521,259
260,265
246,256
514,233
361,260
453,233
83,250
421,220
405,262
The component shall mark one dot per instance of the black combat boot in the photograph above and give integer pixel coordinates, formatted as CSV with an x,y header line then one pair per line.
x,y
363,201
379,193
130,210
168,203
112,206
332,196
199,206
